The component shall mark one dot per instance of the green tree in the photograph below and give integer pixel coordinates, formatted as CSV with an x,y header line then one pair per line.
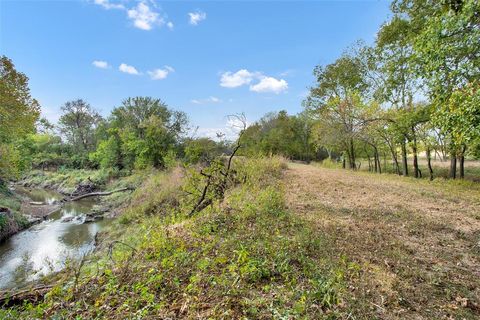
x,y
139,133
18,115
397,82
202,150
279,133
338,104
448,60
78,124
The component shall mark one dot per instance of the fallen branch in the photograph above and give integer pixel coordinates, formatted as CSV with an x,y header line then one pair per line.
x,y
96,194
202,203
9,299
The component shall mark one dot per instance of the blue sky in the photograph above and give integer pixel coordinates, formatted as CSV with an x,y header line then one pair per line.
x,y
207,58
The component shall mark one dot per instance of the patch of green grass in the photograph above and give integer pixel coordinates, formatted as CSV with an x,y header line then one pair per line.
x,y
14,220
10,201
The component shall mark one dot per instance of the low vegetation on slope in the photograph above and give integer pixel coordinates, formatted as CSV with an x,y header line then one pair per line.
x,y
246,256
11,221
285,243
301,242
66,180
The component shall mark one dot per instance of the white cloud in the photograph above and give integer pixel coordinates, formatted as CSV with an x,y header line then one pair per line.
x,y
101,64
128,69
159,74
237,79
245,77
229,131
210,99
270,84
106,4
144,17
145,14
212,133
196,17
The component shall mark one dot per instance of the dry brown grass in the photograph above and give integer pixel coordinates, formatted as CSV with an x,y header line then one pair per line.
x,y
418,242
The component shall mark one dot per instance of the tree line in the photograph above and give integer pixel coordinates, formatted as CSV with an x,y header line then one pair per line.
x,y
142,132
416,90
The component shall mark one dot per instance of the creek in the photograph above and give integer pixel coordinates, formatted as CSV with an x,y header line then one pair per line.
x,y
49,245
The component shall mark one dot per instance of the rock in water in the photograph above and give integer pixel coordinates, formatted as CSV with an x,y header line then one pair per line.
x,y
67,219
93,216
33,220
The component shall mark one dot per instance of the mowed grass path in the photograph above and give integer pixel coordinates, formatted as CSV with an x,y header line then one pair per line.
x,y
417,242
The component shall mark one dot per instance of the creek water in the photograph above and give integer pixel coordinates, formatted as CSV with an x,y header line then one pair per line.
x,y
46,247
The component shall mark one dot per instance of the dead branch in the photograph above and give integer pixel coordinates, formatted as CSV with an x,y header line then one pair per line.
x,y
201,201
96,194
78,271
220,186
9,299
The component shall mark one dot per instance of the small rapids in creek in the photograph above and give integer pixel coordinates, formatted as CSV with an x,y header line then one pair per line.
x,y
47,246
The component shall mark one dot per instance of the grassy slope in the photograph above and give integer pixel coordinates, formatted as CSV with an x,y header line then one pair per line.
x,y
308,243
66,181
11,222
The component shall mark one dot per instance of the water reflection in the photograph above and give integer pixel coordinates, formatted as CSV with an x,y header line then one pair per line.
x,y
46,247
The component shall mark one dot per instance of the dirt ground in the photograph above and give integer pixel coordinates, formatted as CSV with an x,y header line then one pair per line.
x,y
417,242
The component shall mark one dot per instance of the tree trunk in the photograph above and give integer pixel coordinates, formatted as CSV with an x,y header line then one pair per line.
x,y
377,160
416,170
429,162
394,158
461,161
453,166
369,161
353,165
462,167
404,158
349,159
415,162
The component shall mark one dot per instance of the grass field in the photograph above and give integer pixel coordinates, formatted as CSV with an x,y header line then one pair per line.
x,y
417,242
